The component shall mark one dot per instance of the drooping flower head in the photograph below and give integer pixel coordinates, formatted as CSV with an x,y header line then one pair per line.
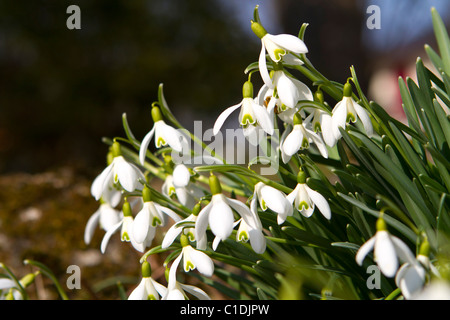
x,y
119,171
218,214
252,116
348,110
300,138
387,250
278,47
147,289
306,199
163,134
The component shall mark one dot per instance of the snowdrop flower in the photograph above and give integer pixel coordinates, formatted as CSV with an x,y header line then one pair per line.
x,y
10,290
274,199
164,135
195,259
305,199
126,229
178,184
254,235
175,289
436,290
300,138
412,275
289,90
251,116
346,111
218,214
181,227
119,171
278,47
147,289
105,216
149,218
387,250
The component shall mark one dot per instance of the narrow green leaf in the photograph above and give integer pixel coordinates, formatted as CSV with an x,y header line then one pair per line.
x,y
442,39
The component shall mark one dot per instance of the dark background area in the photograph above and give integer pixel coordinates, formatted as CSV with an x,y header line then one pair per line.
x,y
62,90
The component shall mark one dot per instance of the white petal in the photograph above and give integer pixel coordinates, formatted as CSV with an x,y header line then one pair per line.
x,y
108,216
286,88
364,250
221,219
175,217
263,67
139,292
293,141
141,224
201,224
403,251
263,118
108,235
196,292
100,182
303,91
202,262
128,177
276,200
170,236
159,288
410,279
144,145
6,284
365,118
320,202
339,118
91,225
289,42
172,136
244,212
384,254
224,116
319,143
327,130
257,240
181,176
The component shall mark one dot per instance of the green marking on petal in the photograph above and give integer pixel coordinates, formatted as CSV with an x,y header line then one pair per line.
x,y
351,118
151,297
303,206
263,205
190,236
156,221
125,236
243,236
247,119
279,53
172,191
188,265
160,142
305,143
317,127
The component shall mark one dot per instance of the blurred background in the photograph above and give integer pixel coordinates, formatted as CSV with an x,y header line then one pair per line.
x,y
62,90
